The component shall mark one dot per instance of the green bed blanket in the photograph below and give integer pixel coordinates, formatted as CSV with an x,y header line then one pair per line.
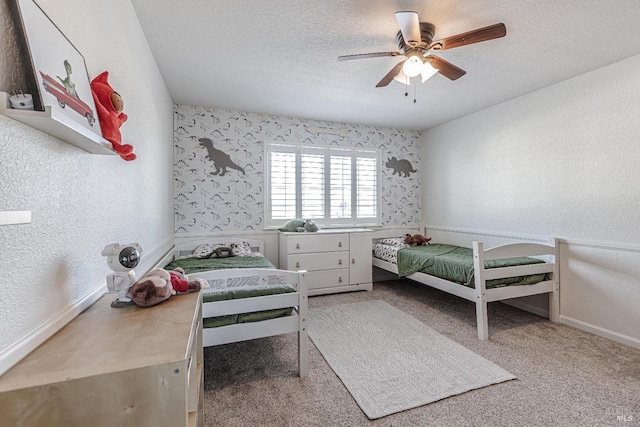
x,y
196,265
256,316
455,263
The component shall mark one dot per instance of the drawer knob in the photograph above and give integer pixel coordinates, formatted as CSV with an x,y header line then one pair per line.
x,y
339,244
297,245
340,279
353,260
298,264
339,262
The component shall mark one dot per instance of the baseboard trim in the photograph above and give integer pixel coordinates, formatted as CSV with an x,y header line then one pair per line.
x,y
150,259
602,332
21,348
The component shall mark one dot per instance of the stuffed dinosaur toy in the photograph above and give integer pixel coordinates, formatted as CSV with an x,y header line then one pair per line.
x,y
299,225
110,105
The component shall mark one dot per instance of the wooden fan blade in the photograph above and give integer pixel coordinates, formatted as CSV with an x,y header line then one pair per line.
x,y
409,24
445,68
470,37
390,75
367,55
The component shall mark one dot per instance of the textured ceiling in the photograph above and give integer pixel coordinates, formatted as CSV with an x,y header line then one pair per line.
x,y
280,56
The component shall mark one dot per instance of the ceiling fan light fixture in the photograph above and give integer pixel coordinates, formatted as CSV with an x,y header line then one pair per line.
x,y
401,77
412,66
427,71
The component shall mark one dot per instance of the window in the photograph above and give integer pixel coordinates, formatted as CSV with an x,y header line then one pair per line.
x,y
332,186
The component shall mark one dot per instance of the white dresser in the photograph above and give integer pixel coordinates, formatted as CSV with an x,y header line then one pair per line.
x,y
337,260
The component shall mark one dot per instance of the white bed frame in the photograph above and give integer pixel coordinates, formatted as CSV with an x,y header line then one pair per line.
x,y
186,248
296,322
480,295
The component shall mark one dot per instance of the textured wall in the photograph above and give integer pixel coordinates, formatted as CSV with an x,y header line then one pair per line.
x,y
80,202
562,161
206,203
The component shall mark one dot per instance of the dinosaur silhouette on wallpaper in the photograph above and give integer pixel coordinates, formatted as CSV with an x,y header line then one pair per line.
x,y
402,167
220,159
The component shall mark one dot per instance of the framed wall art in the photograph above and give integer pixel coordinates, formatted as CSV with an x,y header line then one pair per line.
x,y
56,71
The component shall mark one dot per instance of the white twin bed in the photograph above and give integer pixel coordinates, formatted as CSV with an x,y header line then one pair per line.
x,y
248,297
486,274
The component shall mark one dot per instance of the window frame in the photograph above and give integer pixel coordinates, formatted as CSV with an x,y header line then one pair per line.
x,y
300,149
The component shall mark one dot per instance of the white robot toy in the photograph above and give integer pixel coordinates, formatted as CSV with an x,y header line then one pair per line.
x,y
122,259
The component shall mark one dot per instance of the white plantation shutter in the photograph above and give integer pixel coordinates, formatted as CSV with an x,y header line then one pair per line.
x,y
282,183
340,187
313,183
367,187
329,185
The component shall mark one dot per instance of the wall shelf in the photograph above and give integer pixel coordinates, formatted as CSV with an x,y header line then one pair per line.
x,y
57,124
15,217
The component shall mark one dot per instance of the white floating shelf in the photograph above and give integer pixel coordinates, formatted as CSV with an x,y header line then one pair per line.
x,y
15,217
57,124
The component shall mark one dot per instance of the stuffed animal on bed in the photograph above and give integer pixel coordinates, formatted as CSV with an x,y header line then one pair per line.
x,y
416,240
159,285
109,104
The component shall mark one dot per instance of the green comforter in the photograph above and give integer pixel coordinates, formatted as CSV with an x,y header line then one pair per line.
x,y
197,265
256,316
455,263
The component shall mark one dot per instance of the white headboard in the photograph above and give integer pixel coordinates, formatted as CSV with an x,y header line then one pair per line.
x,y
396,232
187,247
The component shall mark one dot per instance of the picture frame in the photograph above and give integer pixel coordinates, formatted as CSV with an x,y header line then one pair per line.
x,y
49,55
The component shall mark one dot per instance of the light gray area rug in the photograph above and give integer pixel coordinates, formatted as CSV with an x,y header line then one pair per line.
x,y
391,362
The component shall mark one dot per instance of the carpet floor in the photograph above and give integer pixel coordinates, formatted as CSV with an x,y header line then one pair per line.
x,y
565,377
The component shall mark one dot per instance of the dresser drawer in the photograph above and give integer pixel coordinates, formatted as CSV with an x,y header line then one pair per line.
x,y
318,261
314,242
327,278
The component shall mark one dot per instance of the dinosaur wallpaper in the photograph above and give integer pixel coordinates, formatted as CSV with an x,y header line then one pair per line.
x,y
219,165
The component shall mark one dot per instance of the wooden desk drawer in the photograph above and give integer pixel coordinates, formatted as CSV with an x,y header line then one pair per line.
x,y
315,242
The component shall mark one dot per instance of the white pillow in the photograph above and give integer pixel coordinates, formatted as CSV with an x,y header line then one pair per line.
x,y
240,249
206,249
203,251
394,241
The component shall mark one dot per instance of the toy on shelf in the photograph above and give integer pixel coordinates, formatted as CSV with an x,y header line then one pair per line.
x,y
21,101
110,106
122,259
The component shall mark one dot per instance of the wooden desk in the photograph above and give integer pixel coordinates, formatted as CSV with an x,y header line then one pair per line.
x,y
113,367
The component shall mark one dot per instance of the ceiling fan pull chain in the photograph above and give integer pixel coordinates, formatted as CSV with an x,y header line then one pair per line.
x,y
414,94
406,86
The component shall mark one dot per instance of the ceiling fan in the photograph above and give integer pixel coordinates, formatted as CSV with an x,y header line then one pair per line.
x,y
415,41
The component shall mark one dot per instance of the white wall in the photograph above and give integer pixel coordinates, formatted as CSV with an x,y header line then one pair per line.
x,y
80,202
562,161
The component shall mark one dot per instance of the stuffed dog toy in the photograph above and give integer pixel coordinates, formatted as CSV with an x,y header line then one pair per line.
x,y
416,240
159,285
